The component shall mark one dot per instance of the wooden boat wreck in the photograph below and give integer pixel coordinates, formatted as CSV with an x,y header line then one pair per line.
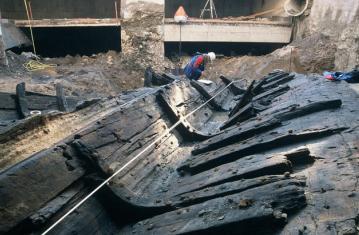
x,y
276,156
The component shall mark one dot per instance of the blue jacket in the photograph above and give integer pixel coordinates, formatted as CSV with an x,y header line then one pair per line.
x,y
195,67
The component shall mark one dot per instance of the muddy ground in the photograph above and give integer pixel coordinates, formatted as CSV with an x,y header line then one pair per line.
x,y
322,42
104,74
313,54
107,74
98,75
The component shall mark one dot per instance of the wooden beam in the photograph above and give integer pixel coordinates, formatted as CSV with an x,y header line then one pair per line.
x,y
246,98
206,95
68,23
21,103
205,161
61,99
233,88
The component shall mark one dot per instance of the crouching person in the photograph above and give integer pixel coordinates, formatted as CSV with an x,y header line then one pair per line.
x,y
196,66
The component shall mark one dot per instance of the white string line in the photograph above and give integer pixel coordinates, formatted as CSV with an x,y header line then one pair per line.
x,y
131,161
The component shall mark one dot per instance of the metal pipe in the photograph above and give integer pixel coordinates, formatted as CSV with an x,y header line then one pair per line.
x,y
296,7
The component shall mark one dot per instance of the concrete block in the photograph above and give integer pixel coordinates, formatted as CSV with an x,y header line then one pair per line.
x,y
12,36
245,32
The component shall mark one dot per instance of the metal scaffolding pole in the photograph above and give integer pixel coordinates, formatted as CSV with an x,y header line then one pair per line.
x,y
211,9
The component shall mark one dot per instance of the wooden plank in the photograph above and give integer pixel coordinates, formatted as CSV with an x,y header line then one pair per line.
x,y
225,189
271,93
31,93
233,88
206,95
185,128
276,71
19,127
243,168
233,152
264,205
101,137
155,79
254,127
93,217
41,103
258,86
119,137
41,216
267,79
309,109
7,101
234,135
244,100
69,23
6,116
35,101
46,171
300,156
243,114
123,132
276,76
278,82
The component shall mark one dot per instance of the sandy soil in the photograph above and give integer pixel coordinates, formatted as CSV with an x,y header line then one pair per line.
x,y
314,54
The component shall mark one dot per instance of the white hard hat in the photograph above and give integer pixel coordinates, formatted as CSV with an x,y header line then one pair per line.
x,y
212,56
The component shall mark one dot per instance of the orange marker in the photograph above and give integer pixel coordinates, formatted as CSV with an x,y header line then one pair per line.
x,y
181,15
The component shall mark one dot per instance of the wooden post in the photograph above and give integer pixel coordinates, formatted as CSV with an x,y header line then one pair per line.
x,y
61,99
21,103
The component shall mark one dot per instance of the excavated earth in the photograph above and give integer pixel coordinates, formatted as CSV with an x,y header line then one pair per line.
x,y
99,75
279,156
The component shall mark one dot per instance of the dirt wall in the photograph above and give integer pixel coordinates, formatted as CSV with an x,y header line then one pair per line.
x,y
337,20
129,7
142,33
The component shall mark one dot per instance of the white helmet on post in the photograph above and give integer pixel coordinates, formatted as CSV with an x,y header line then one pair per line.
x,y
212,56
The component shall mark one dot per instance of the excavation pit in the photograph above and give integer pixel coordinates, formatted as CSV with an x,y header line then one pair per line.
x,y
61,37
62,41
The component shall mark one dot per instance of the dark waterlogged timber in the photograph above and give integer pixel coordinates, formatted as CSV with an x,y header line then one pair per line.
x,y
284,157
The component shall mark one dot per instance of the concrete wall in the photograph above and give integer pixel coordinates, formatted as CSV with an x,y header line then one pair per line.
x,y
224,8
13,36
50,9
244,33
338,20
